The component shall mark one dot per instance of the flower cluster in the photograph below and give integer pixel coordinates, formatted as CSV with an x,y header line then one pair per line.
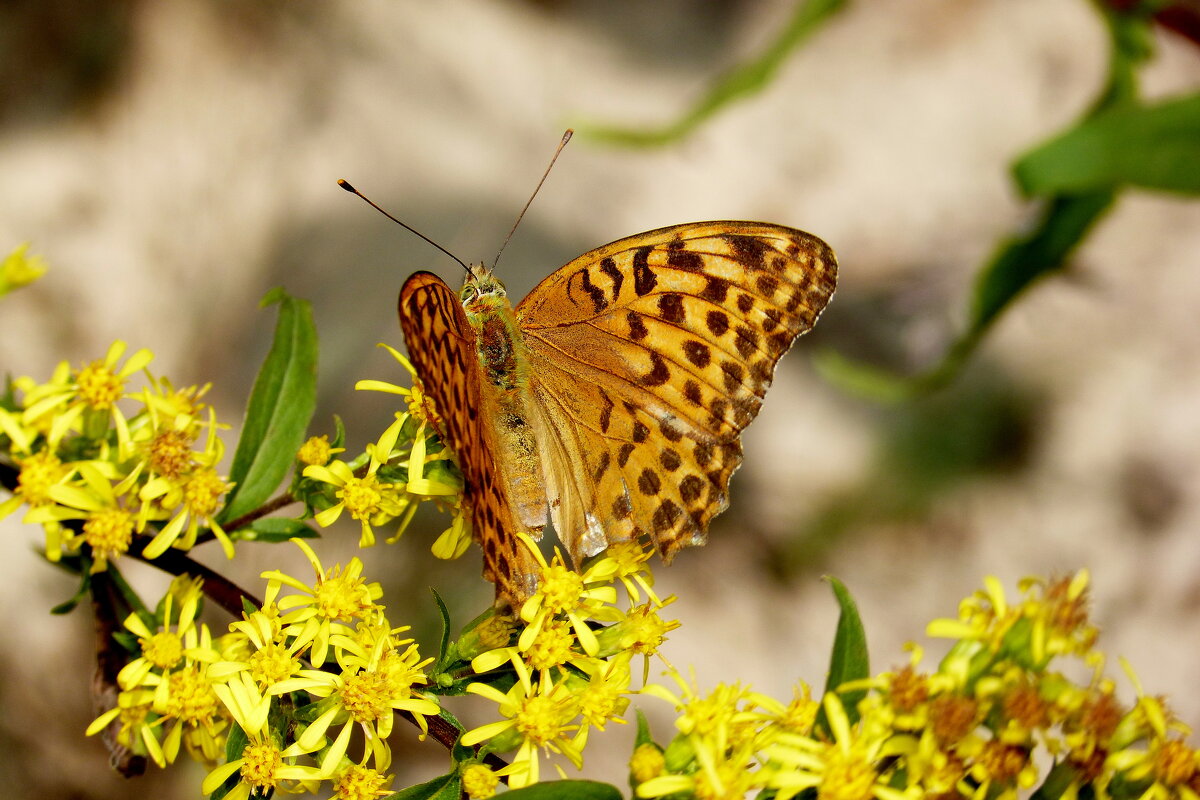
x,y
289,684
556,673
994,720
406,466
94,476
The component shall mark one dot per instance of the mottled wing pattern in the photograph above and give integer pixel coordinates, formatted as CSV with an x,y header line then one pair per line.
x,y
441,345
649,356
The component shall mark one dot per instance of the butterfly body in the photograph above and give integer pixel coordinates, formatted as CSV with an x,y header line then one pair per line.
x,y
611,399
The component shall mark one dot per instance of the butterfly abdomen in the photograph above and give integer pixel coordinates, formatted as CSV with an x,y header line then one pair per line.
x,y
508,406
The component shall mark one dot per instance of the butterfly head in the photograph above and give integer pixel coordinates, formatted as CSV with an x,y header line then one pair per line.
x,y
482,290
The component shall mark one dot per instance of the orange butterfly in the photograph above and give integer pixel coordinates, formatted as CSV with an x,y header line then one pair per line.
x,y
611,399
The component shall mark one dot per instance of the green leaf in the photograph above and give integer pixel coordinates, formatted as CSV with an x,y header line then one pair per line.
x,y
446,787
68,605
281,405
235,743
1059,779
1022,260
1014,267
643,731
1153,147
445,643
741,81
275,529
565,790
849,660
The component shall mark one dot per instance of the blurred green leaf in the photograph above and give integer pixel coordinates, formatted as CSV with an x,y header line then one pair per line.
x,y
566,790
445,787
276,529
849,660
281,405
1072,207
1022,260
744,79
1153,147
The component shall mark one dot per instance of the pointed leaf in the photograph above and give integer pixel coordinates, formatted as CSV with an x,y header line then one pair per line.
x,y
445,787
281,405
849,660
275,529
565,790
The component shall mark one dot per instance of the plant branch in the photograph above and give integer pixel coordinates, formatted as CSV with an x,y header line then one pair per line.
x,y
274,504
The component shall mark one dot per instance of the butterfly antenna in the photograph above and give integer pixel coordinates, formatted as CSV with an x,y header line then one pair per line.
x,y
345,184
566,138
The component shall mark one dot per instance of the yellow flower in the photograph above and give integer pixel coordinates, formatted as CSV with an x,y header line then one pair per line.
x,y
370,688
18,269
107,526
316,451
195,499
479,781
337,600
542,719
262,766
87,397
357,782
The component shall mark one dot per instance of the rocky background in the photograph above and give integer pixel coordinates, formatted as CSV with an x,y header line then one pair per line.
x,y
173,160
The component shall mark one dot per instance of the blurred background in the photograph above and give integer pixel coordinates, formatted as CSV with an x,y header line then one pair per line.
x,y
174,160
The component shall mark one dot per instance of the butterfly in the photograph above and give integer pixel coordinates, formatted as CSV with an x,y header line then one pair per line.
x,y
611,399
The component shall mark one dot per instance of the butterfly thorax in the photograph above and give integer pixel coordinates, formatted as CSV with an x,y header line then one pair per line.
x,y
504,357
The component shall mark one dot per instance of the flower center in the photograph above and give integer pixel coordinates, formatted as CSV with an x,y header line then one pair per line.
x,y
164,649
202,493
359,783
847,776
109,531
192,698
98,386
560,589
39,472
171,453
363,696
361,496
262,760
272,664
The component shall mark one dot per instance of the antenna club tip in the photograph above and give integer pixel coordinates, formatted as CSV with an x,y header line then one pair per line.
x,y
345,184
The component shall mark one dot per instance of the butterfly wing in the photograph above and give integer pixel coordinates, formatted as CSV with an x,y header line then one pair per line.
x,y
649,356
441,346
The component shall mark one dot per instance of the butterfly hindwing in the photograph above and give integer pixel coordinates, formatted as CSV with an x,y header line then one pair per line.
x,y
441,346
648,357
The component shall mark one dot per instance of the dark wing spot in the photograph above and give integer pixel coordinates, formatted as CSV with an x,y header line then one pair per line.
x,y
594,291
733,373
609,268
773,318
622,507
703,453
697,353
762,372
624,453
637,328
602,467
767,284
648,482
665,516
659,372
669,431
744,409
644,279
691,390
778,343
717,322
744,303
747,341
606,414
678,258
718,409
671,308
640,432
715,290
690,489
748,250
670,460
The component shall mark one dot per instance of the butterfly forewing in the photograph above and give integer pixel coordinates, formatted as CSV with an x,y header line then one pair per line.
x,y
441,345
648,357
